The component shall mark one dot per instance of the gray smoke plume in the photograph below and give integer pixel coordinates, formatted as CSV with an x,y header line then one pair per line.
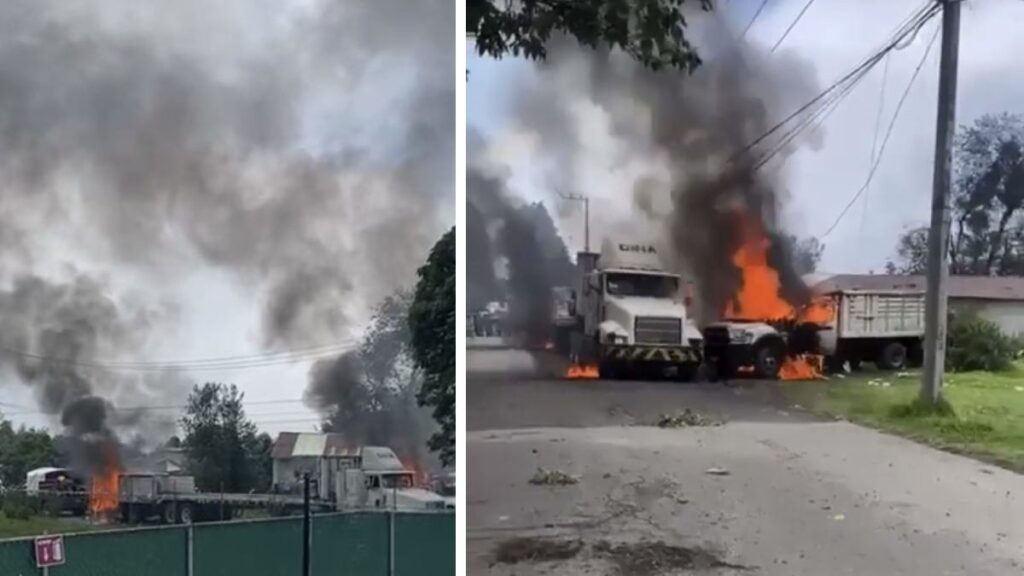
x,y
529,278
693,129
294,148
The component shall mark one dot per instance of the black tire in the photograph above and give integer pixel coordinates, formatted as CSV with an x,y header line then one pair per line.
x,y
186,513
892,357
687,372
169,513
608,370
768,361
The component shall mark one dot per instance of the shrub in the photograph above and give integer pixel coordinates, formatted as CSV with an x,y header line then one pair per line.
x,y
974,343
18,506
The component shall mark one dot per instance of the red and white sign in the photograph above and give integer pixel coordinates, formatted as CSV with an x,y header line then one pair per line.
x,y
49,551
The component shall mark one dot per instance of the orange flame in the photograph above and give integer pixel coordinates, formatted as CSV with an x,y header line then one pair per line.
x,y
802,367
758,297
582,372
103,487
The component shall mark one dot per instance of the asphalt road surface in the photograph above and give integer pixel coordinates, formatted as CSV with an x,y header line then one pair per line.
x,y
793,495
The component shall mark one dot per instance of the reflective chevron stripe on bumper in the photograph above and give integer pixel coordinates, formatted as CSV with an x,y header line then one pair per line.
x,y
651,353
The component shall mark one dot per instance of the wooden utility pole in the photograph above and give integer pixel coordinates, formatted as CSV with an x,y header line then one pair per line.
x,y
938,233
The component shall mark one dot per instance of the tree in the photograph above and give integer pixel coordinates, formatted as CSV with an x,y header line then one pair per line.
x,y
223,450
651,31
987,233
21,450
432,323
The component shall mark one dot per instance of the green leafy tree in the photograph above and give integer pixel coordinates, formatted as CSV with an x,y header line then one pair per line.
x,y
23,449
651,31
432,322
987,232
220,442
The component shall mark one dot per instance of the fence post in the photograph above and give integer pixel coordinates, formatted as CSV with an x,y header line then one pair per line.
x,y
189,554
391,542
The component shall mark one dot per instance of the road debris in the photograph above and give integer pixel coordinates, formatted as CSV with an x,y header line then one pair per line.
x,y
528,549
879,382
715,471
839,517
685,419
553,478
656,558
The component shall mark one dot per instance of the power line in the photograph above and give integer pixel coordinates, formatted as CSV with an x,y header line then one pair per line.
x,y
888,133
211,364
830,98
754,19
874,139
793,25
29,412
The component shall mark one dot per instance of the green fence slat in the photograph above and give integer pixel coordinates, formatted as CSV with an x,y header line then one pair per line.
x,y
17,558
155,552
350,545
424,544
264,548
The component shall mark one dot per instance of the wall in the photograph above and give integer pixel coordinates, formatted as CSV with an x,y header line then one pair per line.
x,y
349,544
1008,314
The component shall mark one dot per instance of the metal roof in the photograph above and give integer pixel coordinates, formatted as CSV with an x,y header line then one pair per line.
x,y
302,444
1009,288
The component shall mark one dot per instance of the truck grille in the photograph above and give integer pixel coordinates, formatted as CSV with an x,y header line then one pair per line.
x,y
650,330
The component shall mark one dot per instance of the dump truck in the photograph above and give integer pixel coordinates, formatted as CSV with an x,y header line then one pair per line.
x,y
631,315
885,327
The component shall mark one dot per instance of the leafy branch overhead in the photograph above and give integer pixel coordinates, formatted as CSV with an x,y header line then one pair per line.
x,y
651,31
432,322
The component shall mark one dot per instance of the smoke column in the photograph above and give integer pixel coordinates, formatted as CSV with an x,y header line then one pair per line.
x,y
684,135
293,150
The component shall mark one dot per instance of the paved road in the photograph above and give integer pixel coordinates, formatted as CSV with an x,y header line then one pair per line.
x,y
802,496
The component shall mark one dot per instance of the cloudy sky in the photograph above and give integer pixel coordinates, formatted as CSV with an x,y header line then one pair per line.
x,y
822,176
191,180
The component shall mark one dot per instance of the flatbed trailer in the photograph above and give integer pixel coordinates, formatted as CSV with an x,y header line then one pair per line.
x,y
174,500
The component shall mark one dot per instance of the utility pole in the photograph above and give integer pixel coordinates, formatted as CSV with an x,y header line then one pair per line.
x,y
586,216
938,233
306,533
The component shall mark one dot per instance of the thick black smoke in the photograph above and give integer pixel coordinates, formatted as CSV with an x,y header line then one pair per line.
x,y
695,129
534,267
294,149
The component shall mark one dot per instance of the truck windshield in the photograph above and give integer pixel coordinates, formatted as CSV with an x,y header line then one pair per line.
x,y
649,285
397,481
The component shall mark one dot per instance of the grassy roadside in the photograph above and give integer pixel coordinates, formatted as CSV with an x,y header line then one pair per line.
x,y
987,420
37,525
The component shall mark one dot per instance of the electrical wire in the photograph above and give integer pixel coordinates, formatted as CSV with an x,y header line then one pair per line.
x,y
826,101
888,133
874,139
209,364
754,19
29,412
793,25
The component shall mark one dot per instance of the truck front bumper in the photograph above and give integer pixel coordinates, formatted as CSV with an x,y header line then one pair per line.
x,y
735,355
663,354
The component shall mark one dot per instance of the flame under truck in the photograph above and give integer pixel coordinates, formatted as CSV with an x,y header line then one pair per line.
x,y
630,314
881,326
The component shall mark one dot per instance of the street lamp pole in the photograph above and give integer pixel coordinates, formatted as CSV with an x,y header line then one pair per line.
x,y
586,216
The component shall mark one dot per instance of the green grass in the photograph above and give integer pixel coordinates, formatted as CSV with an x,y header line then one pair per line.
x,y
983,415
36,525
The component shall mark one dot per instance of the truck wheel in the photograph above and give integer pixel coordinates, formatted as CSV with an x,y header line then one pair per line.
x,y
767,362
168,513
186,514
607,370
134,514
893,356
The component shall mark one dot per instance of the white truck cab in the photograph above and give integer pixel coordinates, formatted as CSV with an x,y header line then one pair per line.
x,y
381,481
632,314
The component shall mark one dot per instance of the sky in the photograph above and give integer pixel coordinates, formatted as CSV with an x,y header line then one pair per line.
x,y
234,179
818,180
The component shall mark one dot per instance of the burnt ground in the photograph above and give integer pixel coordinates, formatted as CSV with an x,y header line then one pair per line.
x,y
793,495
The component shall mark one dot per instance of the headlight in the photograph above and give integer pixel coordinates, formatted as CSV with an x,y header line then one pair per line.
x,y
742,337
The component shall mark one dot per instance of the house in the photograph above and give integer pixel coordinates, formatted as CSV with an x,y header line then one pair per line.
x,y
996,298
321,456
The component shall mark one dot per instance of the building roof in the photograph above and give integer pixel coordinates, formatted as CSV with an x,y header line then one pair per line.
x,y
298,444
973,287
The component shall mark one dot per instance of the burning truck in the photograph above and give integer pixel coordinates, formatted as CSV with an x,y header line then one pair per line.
x,y
770,337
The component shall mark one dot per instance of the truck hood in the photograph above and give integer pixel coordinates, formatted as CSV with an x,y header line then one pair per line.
x,y
621,310
418,495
